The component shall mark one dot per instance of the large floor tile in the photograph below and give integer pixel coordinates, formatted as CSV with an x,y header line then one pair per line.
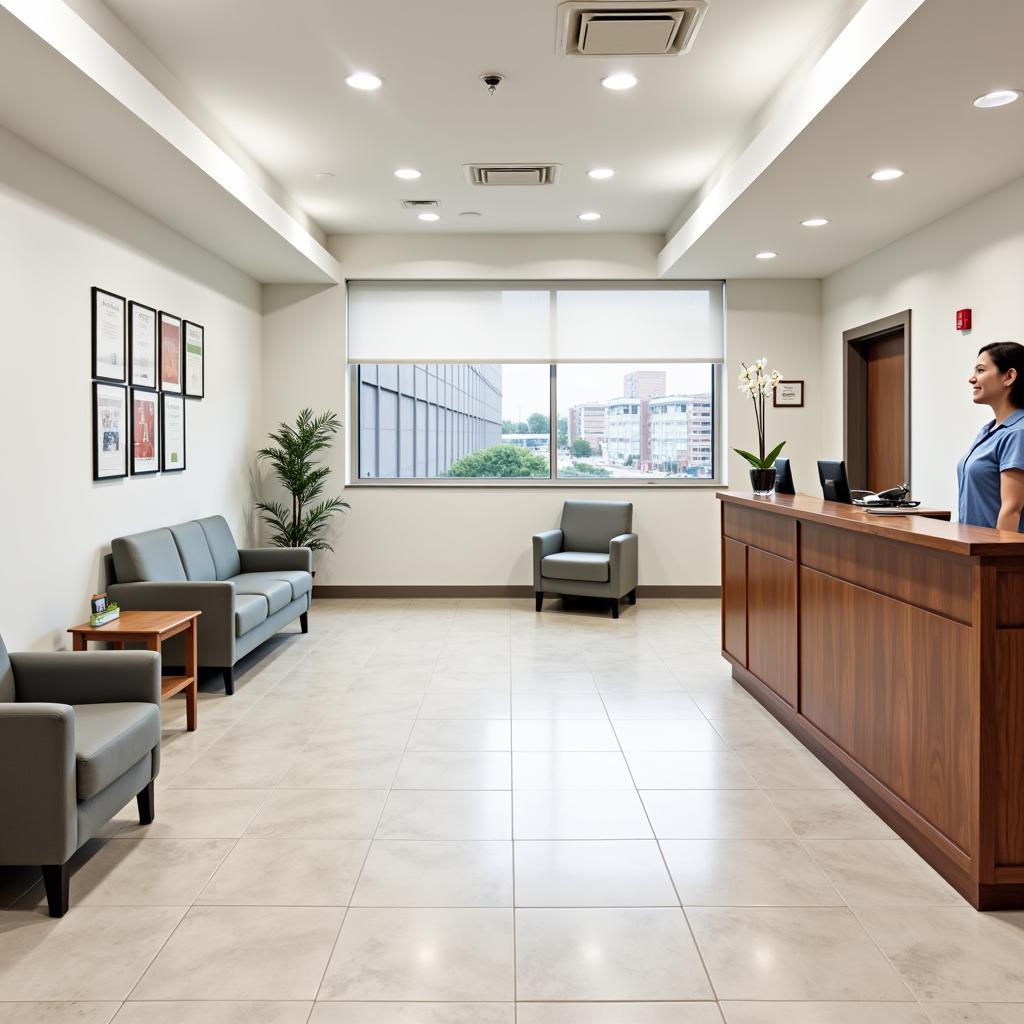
x,y
346,769
454,734
377,732
975,1013
235,769
199,814
423,955
436,874
607,955
413,1013
570,770
319,814
828,814
57,1013
788,769
576,706
747,734
668,734
702,769
713,814
823,1013
239,953
484,682
579,814
222,1012
455,770
563,734
792,953
465,705
437,814
617,1013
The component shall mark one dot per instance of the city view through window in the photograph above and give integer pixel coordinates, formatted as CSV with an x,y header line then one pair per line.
x,y
487,421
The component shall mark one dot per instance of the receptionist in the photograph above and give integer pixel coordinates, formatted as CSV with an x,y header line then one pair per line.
x,y
991,474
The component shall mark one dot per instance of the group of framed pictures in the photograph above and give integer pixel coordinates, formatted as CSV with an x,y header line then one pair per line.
x,y
145,363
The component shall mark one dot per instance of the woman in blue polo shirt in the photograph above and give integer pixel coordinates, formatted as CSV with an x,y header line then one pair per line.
x,y
991,474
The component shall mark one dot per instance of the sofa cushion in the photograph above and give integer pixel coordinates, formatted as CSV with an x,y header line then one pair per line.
x,y
250,611
590,566
222,546
110,739
6,675
151,556
277,592
194,551
300,581
590,525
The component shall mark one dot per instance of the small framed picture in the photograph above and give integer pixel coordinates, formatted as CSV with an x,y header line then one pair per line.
x,y
172,433
108,340
170,353
109,431
142,345
789,393
145,432
195,359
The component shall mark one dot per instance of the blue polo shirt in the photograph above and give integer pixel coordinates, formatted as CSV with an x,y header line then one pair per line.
x,y
995,449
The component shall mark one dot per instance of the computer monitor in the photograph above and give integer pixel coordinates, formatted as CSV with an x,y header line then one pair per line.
x,y
835,486
783,477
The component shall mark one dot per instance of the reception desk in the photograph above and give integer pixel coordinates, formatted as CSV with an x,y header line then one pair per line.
x,y
893,648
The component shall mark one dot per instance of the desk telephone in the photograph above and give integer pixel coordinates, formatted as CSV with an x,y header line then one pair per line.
x,y
894,497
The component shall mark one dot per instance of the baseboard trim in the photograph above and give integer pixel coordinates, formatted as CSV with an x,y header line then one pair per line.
x,y
334,591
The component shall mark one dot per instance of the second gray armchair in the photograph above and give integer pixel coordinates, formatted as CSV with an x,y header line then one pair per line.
x,y
593,554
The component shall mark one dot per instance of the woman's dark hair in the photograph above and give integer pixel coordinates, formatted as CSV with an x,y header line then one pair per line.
x,y
1009,355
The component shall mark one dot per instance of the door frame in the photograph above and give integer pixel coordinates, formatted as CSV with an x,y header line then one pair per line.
x,y
855,386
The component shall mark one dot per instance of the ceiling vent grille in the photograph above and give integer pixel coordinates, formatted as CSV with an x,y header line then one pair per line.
x,y
512,174
612,28
419,204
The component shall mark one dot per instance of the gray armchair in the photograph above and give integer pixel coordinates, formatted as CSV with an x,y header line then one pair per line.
x,y
594,554
79,737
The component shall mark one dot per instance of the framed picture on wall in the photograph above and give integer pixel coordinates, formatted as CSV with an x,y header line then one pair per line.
x,y
172,433
145,432
108,344
789,393
142,345
109,431
170,353
195,359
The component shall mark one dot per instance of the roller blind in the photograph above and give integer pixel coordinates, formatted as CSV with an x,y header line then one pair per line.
x,y
490,322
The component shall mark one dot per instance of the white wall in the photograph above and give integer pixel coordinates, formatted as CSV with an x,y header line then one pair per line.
x,y
480,536
62,234
970,258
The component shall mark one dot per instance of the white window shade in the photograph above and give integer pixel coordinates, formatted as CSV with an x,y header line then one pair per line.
x,y
483,322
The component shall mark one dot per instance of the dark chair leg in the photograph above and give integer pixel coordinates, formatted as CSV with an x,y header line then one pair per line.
x,y
615,607
304,622
632,596
229,680
146,799
540,599
56,878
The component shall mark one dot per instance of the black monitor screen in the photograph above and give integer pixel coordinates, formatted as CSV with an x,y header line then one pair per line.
x,y
834,484
783,477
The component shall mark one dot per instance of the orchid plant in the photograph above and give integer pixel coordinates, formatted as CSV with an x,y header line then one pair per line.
x,y
758,382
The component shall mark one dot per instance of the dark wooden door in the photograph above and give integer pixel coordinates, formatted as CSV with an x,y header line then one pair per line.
x,y
886,411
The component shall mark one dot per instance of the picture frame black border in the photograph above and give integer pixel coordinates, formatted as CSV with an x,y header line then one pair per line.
x,y
96,385
164,395
158,420
185,324
155,386
160,353
124,336
776,404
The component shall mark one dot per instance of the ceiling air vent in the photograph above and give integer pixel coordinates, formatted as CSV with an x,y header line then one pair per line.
x,y
419,204
612,28
512,174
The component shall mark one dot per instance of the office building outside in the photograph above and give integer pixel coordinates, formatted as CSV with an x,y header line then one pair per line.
x,y
626,439
586,423
643,384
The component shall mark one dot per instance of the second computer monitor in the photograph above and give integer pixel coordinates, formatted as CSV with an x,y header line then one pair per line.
x,y
834,483
783,477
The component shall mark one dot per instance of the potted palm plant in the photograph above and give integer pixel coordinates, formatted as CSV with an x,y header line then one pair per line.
x,y
297,470
758,382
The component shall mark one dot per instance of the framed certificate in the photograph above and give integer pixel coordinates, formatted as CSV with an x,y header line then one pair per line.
x,y
145,432
789,393
195,359
108,345
170,353
172,433
142,345
109,431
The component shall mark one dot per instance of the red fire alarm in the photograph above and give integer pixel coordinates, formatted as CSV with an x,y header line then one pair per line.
x,y
963,319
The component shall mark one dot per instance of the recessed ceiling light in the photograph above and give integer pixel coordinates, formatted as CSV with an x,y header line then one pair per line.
x,y
814,222
601,173
429,216
470,213
407,173
323,175
766,254
590,215
619,81
998,98
365,80
887,174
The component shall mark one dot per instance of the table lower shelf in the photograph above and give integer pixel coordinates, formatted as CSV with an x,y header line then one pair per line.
x,y
170,685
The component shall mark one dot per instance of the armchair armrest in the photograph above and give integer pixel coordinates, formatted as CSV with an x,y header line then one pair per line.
x,y
38,802
624,563
88,677
269,559
547,543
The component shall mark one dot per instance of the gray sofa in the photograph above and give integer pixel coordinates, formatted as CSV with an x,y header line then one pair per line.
x,y
79,737
594,554
245,595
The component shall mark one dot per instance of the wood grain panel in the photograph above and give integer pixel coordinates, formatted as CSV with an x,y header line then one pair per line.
x,y
1006,729
892,685
1010,599
751,526
916,575
772,622
734,599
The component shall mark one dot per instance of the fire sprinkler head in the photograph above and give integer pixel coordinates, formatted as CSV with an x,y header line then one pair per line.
x,y
492,81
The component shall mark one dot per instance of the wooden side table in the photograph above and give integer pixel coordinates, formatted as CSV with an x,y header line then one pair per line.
x,y
152,629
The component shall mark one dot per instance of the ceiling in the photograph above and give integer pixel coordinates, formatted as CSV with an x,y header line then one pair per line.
x,y
276,84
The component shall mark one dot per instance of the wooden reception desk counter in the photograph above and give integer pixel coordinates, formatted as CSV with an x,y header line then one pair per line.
x,y
894,649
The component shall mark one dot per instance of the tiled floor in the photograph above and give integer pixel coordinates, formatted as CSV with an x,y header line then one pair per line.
x,y
431,812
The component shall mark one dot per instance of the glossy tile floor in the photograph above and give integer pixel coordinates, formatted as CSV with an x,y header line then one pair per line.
x,y
430,812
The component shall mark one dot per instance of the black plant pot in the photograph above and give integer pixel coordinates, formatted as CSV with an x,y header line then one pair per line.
x,y
763,481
